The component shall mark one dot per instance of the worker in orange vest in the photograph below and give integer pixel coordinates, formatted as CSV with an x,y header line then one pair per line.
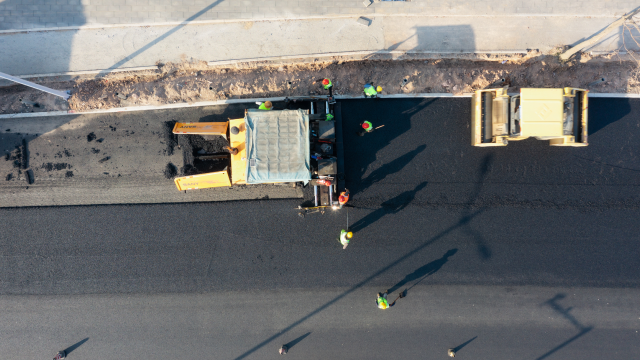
x,y
343,198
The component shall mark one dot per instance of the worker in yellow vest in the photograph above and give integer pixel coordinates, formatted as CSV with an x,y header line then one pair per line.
x,y
370,91
267,105
382,301
345,236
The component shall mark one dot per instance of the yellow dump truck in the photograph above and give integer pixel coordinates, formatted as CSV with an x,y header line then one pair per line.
x,y
276,146
557,115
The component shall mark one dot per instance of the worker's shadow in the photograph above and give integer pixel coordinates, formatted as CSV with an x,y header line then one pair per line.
x,y
423,272
390,206
388,169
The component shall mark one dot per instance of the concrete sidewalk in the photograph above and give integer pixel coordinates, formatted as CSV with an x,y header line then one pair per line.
x,y
37,14
126,47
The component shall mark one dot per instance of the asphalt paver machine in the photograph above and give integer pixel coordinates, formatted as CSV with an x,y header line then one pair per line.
x,y
557,115
275,147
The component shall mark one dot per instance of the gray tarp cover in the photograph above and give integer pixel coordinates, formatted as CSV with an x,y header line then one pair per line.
x,y
277,146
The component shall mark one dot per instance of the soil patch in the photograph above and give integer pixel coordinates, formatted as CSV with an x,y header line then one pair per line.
x,y
196,81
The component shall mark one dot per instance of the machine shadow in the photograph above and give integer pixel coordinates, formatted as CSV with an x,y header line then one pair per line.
x,y
424,271
605,111
565,313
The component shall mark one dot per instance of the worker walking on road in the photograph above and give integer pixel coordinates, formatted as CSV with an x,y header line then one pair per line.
x,y
382,301
345,236
267,105
366,126
60,355
343,198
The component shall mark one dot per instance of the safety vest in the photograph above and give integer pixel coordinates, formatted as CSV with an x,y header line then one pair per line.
x,y
368,128
382,303
327,86
343,198
370,91
329,117
343,237
263,107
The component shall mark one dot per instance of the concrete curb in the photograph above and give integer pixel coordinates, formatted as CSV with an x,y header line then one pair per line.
x,y
240,101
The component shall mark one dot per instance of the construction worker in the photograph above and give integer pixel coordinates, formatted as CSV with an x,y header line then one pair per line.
x,y
60,355
345,236
283,349
382,302
267,105
329,117
343,198
370,91
326,84
367,127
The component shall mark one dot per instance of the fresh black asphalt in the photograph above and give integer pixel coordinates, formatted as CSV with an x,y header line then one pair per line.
x,y
525,214
522,252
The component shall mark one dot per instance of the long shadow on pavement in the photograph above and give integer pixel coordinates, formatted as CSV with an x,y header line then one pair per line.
x,y
160,38
390,168
75,346
553,303
391,206
424,271
462,222
360,152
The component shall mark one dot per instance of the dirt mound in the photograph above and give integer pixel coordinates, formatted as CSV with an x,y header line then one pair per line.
x,y
195,81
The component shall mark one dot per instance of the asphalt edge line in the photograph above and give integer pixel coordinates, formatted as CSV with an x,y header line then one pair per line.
x,y
273,99
314,17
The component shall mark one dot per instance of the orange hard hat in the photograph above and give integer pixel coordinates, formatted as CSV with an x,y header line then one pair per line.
x,y
365,125
268,104
325,82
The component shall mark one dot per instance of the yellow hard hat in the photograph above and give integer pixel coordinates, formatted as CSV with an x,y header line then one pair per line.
x,y
379,89
349,235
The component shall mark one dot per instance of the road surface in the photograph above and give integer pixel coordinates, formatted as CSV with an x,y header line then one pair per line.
x,y
531,251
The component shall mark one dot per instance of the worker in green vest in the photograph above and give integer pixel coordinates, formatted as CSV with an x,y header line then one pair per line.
x,y
367,127
382,301
267,105
345,236
329,117
326,83
370,91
